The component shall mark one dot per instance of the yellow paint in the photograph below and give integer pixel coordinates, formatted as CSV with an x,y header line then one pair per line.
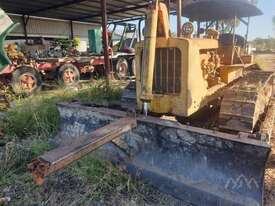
x,y
195,90
229,74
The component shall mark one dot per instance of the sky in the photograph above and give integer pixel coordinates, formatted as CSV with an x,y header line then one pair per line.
x,y
260,26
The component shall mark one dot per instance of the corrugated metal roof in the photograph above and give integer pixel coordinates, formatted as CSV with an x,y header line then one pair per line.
x,y
76,10
90,11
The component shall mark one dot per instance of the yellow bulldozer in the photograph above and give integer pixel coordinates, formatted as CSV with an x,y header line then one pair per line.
x,y
180,76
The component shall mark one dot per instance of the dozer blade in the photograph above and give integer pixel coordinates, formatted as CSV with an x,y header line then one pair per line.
x,y
245,102
128,98
203,167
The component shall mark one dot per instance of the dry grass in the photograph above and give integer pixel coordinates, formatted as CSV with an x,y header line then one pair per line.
x,y
266,61
30,124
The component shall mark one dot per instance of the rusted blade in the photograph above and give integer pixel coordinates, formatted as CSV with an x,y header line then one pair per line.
x,y
61,157
196,165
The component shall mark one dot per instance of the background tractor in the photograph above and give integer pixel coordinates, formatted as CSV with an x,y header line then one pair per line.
x,y
40,61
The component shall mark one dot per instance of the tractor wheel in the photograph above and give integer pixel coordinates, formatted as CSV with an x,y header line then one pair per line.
x,y
122,68
26,80
68,75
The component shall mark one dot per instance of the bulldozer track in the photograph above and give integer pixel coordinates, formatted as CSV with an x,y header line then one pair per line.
x,y
245,102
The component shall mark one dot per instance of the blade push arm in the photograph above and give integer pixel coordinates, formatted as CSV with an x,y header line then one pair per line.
x,y
157,25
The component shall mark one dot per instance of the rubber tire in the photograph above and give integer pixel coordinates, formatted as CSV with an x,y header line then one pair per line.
x,y
121,60
16,80
61,71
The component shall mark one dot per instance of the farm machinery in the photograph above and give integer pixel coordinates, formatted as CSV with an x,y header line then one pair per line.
x,y
176,79
26,73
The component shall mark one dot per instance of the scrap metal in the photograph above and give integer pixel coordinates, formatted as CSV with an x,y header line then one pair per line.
x,y
59,158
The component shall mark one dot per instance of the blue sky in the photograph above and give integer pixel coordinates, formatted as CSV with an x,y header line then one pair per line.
x,y
260,26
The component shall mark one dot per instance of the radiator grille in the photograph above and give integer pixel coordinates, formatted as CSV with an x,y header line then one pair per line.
x,y
167,72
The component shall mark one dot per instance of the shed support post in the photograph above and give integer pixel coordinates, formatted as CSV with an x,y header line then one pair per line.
x,y
246,35
168,5
72,30
198,29
25,20
105,41
234,35
179,14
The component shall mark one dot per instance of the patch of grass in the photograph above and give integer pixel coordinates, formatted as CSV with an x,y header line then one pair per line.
x,y
105,179
15,157
38,147
37,116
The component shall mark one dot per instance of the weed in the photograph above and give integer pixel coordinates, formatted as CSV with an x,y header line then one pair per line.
x,y
38,116
103,176
89,181
38,147
15,156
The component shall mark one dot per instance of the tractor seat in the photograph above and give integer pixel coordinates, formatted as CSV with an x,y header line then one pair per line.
x,y
128,50
227,40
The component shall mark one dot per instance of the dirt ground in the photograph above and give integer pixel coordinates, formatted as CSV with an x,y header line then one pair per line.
x,y
267,62
270,177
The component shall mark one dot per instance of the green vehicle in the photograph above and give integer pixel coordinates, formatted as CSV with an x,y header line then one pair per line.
x,y
23,78
6,26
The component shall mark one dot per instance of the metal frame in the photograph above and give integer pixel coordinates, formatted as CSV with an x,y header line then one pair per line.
x,y
77,10
25,20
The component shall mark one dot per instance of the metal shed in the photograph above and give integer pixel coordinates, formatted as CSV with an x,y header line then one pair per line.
x,y
76,10
72,11
93,11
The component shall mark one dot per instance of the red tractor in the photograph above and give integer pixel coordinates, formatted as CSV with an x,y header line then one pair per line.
x,y
26,75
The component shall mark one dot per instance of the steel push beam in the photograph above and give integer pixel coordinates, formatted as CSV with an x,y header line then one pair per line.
x,y
61,157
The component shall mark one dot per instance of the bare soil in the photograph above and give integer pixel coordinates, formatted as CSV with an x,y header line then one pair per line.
x,y
266,61
270,177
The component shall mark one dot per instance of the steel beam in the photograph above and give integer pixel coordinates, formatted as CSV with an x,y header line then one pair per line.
x,y
125,20
130,8
61,157
56,6
111,6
